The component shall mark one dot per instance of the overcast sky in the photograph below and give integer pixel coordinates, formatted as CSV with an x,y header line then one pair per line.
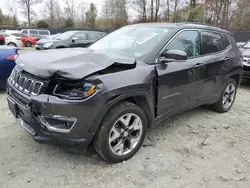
x,y
4,4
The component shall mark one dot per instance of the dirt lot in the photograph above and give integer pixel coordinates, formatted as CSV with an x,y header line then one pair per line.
x,y
199,149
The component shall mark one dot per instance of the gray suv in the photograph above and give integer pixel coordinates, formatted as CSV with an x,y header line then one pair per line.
x,y
70,39
110,93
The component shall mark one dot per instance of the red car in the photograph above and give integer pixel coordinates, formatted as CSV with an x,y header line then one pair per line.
x,y
27,41
2,39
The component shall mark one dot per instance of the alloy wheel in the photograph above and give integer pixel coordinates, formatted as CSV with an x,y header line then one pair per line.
x,y
125,134
228,96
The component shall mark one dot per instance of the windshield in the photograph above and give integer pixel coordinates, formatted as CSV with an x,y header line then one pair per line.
x,y
53,36
133,41
247,45
65,36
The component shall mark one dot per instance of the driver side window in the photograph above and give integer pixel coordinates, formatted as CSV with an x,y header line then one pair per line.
x,y
187,41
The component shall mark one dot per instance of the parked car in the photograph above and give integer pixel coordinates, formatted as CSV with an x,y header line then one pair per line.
x,y
8,31
110,93
2,39
53,36
27,41
69,39
245,49
12,40
240,44
7,63
35,32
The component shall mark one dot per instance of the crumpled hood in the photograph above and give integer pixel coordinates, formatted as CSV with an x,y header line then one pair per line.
x,y
72,63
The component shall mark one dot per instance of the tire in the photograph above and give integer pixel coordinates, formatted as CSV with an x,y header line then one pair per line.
x,y
102,141
218,106
11,44
28,44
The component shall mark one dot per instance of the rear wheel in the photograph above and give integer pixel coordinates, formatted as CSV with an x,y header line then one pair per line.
x,y
121,133
227,97
12,44
28,44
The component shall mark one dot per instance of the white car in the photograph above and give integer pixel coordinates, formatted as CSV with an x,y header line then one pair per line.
x,y
12,40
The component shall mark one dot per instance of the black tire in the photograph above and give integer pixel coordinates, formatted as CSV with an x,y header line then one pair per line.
x,y
28,44
101,139
218,106
11,44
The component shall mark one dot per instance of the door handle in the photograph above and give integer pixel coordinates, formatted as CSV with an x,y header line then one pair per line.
x,y
198,65
226,58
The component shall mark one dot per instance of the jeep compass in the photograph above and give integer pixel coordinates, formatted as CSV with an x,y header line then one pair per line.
x,y
110,93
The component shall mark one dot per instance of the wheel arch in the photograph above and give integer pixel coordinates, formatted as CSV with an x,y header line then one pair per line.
x,y
61,46
236,75
141,98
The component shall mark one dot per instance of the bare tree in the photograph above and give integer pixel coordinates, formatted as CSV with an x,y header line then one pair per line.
x,y
91,15
152,10
157,8
140,6
115,12
51,8
70,9
26,6
175,5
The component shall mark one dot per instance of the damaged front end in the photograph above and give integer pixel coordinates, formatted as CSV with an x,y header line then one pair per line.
x,y
60,101
55,110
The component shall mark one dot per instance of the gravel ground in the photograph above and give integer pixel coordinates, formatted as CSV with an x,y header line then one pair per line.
x,y
199,148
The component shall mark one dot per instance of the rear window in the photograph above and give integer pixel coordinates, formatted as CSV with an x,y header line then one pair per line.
x,y
33,32
41,32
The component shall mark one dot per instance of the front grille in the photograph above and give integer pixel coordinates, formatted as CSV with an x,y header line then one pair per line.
x,y
25,84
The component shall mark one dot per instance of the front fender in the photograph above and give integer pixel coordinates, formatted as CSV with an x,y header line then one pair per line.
x,y
117,99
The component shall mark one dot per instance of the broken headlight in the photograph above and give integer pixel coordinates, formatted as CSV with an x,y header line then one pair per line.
x,y
74,91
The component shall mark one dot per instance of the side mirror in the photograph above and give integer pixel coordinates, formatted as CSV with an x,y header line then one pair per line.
x,y
173,55
74,39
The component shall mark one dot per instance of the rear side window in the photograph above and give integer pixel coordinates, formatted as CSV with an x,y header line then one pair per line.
x,y
33,32
213,42
92,35
225,41
25,32
41,32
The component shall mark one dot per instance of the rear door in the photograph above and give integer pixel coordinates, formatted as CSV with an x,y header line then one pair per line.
x,y
179,83
92,37
215,49
79,40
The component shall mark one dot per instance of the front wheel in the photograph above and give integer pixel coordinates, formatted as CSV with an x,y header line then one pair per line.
x,y
28,44
227,97
12,44
121,133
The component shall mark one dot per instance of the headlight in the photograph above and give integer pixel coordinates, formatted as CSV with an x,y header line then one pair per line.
x,y
48,45
74,91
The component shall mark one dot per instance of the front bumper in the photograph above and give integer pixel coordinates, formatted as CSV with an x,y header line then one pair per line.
x,y
43,116
38,47
246,72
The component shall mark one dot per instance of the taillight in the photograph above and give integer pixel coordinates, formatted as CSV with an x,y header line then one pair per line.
x,y
12,57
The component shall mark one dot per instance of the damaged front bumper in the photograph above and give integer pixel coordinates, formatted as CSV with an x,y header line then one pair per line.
x,y
52,120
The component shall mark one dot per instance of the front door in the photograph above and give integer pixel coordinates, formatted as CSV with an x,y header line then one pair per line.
x,y
79,40
180,82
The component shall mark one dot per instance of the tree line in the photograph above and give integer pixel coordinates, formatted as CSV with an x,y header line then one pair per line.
x,y
229,14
